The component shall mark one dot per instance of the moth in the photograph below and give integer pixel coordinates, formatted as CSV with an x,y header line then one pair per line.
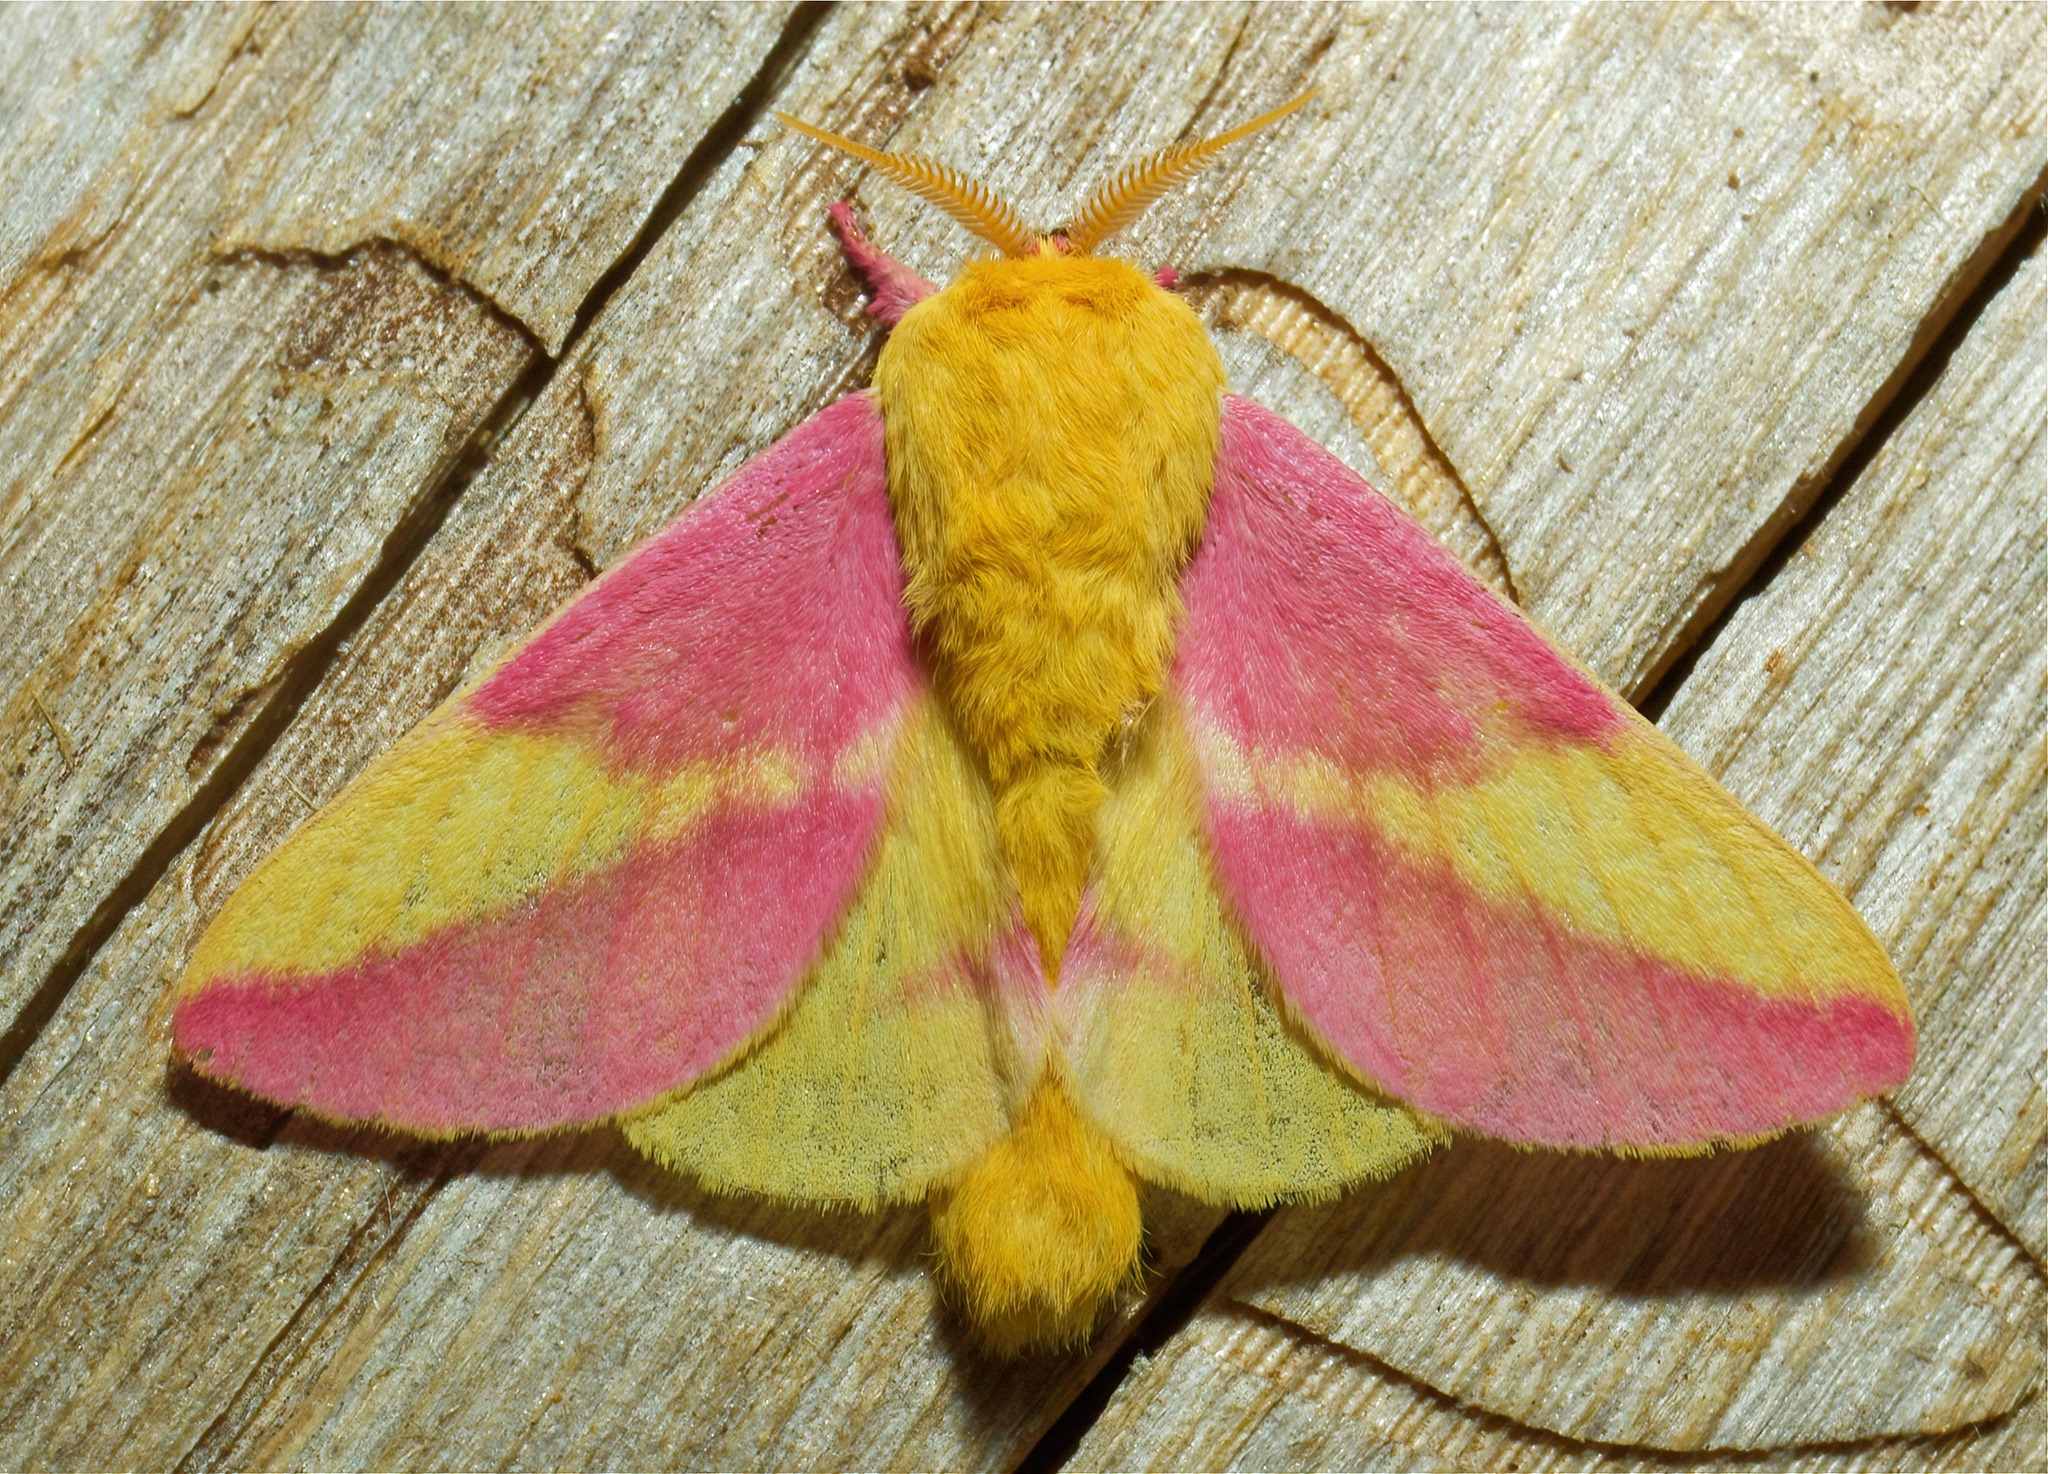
x,y
1040,772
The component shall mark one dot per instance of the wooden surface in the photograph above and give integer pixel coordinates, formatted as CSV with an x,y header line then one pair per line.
x,y
342,345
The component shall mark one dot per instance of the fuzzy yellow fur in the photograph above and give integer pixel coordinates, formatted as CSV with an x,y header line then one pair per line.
x,y
1052,426
1052,429
1041,1233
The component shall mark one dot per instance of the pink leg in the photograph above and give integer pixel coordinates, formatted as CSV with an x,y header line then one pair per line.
x,y
893,288
1167,277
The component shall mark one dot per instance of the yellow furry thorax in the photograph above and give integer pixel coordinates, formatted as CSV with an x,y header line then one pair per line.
x,y
1052,426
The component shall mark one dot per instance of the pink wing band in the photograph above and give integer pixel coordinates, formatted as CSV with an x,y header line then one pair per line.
x,y
474,1028
770,615
767,623
1500,1019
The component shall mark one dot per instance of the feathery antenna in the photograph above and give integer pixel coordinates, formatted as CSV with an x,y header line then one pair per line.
x,y
1133,191
966,200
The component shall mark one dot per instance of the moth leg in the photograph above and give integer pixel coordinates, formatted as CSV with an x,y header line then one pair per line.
x,y
1168,278
893,288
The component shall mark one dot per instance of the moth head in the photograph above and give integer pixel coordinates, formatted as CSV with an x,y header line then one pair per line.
x,y
1118,203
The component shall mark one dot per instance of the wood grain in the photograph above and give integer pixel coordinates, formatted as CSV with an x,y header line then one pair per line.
x,y
1240,1391
518,154
1645,271
1832,1287
190,1279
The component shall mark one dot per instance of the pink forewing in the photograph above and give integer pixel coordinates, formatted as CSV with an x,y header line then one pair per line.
x,y
1323,623
601,994
1321,617
1492,1015
765,631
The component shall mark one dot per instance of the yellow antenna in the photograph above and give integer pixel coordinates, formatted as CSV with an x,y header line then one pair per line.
x,y
966,200
1134,191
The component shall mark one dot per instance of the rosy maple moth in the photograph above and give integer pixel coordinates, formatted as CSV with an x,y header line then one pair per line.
x,y
1039,772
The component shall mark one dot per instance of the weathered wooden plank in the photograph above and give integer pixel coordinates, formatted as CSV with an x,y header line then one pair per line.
x,y
1880,703
1834,1287
339,1331
75,91
518,153
1607,251
136,1292
206,440
1288,354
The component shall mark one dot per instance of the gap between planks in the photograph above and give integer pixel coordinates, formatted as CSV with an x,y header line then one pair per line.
x,y
1994,264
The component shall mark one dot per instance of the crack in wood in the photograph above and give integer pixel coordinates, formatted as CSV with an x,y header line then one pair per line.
x,y
1987,1219
247,45
1319,338
577,542
1144,1337
227,720
1638,1455
85,437
352,256
63,737
1955,313
725,136
1222,77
